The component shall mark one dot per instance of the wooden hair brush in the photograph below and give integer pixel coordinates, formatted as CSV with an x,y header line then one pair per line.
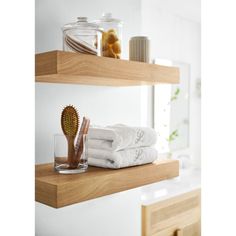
x,y
70,125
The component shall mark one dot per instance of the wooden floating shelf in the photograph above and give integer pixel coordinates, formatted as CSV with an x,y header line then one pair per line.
x,y
59,190
75,68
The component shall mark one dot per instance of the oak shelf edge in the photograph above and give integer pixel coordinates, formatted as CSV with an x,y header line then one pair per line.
x,y
58,190
75,68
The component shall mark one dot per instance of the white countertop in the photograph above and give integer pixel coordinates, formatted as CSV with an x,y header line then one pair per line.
x,y
188,180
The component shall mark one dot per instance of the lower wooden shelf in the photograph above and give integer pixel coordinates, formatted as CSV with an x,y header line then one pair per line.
x,y
58,190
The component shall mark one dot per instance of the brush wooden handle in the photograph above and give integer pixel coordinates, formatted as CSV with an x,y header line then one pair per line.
x,y
71,151
70,125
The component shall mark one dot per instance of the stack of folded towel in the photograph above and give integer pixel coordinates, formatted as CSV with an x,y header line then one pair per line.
x,y
121,146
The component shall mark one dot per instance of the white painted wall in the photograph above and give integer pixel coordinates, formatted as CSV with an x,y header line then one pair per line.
x,y
52,15
177,38
172,38
104,105
114,215
117,214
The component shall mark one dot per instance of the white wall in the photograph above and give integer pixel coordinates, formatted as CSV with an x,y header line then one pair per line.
x,y
172,38
52,15
114,215
176,38
104,105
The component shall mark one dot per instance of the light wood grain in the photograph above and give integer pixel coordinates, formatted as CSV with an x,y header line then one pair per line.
x,y
192,229
62,190
179,215
189,230
75,68
179,232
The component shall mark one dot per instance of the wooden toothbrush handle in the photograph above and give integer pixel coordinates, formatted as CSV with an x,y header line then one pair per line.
x,y
80,136
81,143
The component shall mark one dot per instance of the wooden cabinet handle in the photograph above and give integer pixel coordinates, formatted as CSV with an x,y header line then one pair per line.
x,y
179,232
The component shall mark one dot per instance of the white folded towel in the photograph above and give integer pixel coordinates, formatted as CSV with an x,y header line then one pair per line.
x,y
119,137
120,159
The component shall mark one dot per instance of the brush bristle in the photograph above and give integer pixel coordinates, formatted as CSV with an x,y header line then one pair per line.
x,y
70,120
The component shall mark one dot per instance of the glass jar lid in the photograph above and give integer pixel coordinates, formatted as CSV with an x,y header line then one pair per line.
x,y
107,17
82,23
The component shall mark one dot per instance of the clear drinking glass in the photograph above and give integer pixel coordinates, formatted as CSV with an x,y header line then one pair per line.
x,y
61,161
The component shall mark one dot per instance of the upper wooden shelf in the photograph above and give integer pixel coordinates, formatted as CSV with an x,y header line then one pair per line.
x,y
74,68
59,190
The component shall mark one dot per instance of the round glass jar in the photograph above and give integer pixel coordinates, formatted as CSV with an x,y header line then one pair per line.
x,y
82,37
111,45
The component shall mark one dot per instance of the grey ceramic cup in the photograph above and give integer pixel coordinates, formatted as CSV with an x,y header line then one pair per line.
x,y
139,49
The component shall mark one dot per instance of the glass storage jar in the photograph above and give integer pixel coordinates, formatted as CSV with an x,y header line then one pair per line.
x,y
111,45
82,37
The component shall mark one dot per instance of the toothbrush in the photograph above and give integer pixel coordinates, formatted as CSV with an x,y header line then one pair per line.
x,y
79,144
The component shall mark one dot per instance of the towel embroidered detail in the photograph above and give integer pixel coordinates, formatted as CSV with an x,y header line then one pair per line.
x,y
123,158
120,137
139,136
